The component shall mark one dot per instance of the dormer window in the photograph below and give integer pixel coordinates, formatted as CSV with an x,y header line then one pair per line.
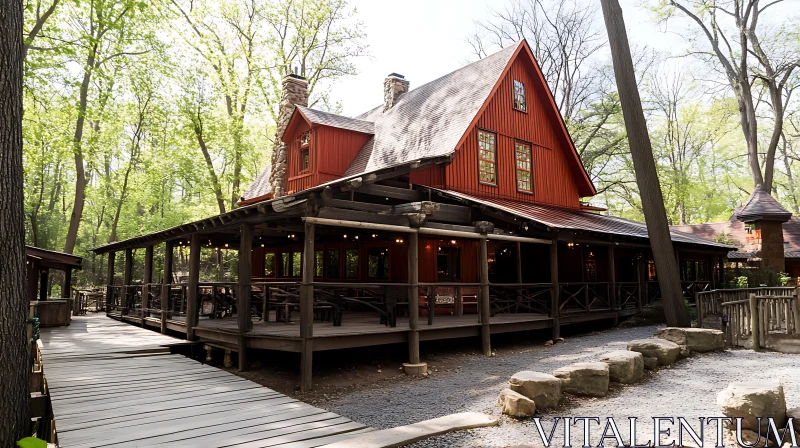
x,y
305,144
487,158
520,103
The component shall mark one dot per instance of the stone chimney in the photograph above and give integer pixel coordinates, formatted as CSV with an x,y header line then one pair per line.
x,y
295,93
394,86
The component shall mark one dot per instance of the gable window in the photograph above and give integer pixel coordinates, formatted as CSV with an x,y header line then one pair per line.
x,y
519,96
487,158
522,153
305,144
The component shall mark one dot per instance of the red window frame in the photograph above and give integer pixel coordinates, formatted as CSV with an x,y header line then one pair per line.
x,y
487,146
304,145
523,166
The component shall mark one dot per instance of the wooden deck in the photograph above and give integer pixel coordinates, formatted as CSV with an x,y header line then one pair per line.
x,y
113,384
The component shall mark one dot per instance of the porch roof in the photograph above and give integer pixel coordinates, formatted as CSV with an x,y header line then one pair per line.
x,y
576,220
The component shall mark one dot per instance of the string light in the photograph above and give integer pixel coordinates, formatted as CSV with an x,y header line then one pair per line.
x,y
452,241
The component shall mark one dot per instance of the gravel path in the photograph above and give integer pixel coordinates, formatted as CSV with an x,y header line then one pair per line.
x,y
688,389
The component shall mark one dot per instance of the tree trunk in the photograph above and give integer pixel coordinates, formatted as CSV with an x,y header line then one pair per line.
x,y
77,148
645,167
14,354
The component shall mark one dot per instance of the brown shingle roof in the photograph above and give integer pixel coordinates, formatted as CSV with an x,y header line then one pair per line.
x,y
570,219
761,205
260,186
336,121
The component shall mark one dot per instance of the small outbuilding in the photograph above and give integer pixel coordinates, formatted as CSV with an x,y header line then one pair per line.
x,y
51,311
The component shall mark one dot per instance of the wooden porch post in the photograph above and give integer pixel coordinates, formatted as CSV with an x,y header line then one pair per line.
x,y
519,262
710,273
33,280
165,285
126,280
44,287
66,286
243,297
486,309
148,278
307,310
722,270
612,279
641,276
555,302
110,278
413,298
191,292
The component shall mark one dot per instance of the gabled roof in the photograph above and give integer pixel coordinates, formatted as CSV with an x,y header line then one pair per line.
x,y
576,220
762,206
314,116
259,188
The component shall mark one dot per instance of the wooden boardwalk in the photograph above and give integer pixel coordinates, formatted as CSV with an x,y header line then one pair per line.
x,y
113,384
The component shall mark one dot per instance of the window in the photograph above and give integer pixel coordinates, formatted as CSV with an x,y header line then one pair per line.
x,y
590,268
519,96
487,157
522,153
318,263
269,265
297,265
378,262
333,263
448,264
305,140
351,263
286,265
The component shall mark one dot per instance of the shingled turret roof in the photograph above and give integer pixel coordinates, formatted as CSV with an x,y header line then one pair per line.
x,y
761,206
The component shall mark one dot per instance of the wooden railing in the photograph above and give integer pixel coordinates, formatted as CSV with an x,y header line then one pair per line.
x,y
709,302
753,320
690,289
584,297
628,295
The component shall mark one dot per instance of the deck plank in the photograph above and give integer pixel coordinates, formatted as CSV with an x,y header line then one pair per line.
x,y
114,384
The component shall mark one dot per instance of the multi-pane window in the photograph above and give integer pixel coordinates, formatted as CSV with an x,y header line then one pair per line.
x,y
305,140
487,157
351,263
378,262
318,263
269,265
519,96
522,153
333,263
286,264
297,264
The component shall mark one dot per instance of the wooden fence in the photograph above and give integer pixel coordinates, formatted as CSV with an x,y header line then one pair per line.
x,y
710,302
754,319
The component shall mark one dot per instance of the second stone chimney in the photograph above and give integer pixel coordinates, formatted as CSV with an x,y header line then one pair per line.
x,y
294,93
393,87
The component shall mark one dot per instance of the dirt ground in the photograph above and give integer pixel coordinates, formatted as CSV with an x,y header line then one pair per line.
x,y
341,372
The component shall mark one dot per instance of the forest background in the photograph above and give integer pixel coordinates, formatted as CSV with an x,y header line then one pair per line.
x,y
142,115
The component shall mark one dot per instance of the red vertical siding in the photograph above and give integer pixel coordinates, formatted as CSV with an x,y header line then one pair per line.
x,y
554,175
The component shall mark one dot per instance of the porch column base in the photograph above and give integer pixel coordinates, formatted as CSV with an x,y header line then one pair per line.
x,y
486,340
418,369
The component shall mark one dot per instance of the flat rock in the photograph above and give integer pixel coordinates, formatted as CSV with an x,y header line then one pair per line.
x,y
544,389
650,363
698,340
404,435
664,351
624,366
584,378
515,404
750,400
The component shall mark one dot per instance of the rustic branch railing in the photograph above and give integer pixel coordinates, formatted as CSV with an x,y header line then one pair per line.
x,y
627,294
653,292
709,302
520,298
755,319
584,297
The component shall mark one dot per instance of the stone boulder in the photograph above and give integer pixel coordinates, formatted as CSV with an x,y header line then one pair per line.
x,y
543,389
750,400
650,363
584,378
624,366
698,340
664,351
515,404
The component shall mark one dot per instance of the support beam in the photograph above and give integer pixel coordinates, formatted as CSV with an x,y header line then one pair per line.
x,y
555,290
44,283
33,280
307,310
110,278
66,285
641,275
146,280
722,271
245,324
127,280
486,341
612,280
413,299
519,262
165,284
192,308
710,273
